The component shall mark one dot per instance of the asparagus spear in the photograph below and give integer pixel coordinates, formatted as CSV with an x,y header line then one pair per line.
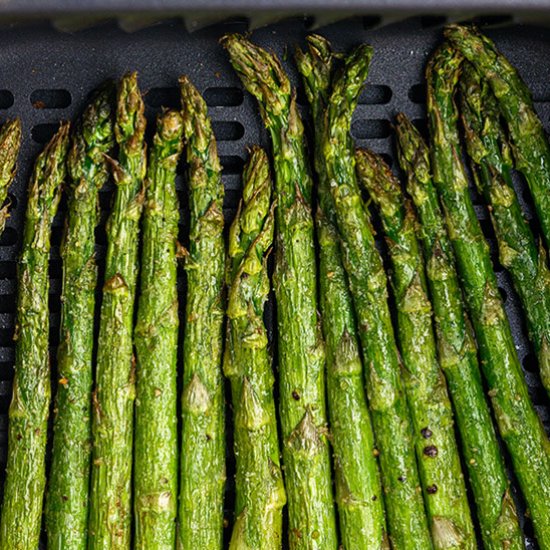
x,y
301,350
518,252
432,417
457,352
10,141
518,422
113,402
531,147
156,340
67,498
407,522
202,469
30,404
260,489
357,479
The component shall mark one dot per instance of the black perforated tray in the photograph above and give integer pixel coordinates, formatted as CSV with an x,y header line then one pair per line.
x,y
47,75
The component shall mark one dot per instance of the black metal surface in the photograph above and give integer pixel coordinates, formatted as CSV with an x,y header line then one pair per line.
x,y
46,76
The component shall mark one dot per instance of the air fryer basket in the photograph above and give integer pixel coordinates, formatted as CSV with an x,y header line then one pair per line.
x,y
47,75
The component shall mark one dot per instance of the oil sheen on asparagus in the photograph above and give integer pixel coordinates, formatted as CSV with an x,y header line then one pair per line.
x,y
357,479
519,425
436,449
156,341
457,352
247,363
30,404
518,252
407,521
202,465
113,401
306,455
69,479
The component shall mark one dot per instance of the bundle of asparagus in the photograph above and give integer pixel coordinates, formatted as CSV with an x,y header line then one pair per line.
x,y
366,401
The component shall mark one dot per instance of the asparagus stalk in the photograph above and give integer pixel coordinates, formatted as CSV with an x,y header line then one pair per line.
x,y
68,487
260,489
357,479
432,417
531,148
113,402
457,352
407,522
518,422
10,142
518,251
156,341
30,404
202,468
301,349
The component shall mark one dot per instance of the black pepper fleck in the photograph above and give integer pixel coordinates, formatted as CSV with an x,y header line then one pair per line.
x,y
426,433
296,395
431,489
431,451
401,479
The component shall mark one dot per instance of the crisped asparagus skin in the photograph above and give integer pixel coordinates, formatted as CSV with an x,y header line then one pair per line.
x,y
306,455
457,352
156,341
436,449
259,482
30,404
10,142
407,521
69,479
518,251
113,401
519,425
357,480
531,148
202,468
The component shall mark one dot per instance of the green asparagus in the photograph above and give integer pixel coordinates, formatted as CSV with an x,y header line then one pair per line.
x,y
202,468
431,413
260,490
518,251
357,479
531,147
113,400
156,341
407,521
518,422
10,141
68,486
306,455
30,404
457,352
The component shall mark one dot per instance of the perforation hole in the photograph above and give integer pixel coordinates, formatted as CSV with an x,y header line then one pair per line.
x,y
417,93
503,294
55,269
231,199
7,304
8,270
232,165
530,363
422,126
8,237
227,130
163,97
12,201
51,99
375,94
371,129
223,97
6,337
388,159
42,133
6,373
371,21
430,21
6,99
